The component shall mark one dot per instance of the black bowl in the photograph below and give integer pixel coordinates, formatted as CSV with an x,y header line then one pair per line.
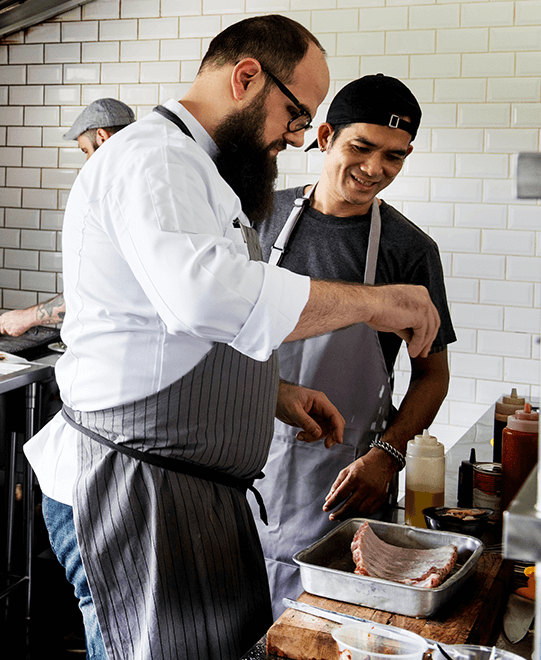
x,y
437,517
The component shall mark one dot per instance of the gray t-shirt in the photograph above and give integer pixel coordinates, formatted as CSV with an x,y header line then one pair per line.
x,y
334,248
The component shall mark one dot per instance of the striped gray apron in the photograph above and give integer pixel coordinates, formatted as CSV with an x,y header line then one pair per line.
x,y
171,554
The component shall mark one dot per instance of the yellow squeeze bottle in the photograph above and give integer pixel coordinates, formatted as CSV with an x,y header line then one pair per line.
x,y
425,477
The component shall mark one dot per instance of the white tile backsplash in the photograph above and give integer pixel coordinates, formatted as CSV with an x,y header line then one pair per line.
x,y
26,54
27,95
517,90
481,115
140,8
522,319
495,241
22,218
527,12
477,366
524,217
43,33
58,53
10,156
482,266
360,43
199,26
164,72
158,28
512,140
488,64
473,65
80,31
435,16
466,40
41,116
23,177
457,190
521,371
118,30
461,289
38,240
82,73
13,75
101,51
506,344
38,281
459,90
486,13
101,9
507,293
383,19
515,38
524,269
455,140
123,72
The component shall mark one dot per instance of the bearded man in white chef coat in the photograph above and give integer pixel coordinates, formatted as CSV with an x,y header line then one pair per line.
x,y
170,380
344,232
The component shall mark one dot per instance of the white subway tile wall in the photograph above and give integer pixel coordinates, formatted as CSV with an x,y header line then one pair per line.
x,y
474,66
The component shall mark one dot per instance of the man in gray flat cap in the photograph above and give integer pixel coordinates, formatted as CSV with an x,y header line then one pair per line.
x,y
96,123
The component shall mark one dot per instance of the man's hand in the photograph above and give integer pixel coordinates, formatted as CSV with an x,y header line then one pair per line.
x,y
17,322
407,310
361,487
311,411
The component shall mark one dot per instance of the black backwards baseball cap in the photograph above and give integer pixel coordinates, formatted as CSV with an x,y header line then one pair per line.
x,y
375,99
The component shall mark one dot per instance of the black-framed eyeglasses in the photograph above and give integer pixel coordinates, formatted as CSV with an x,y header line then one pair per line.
x,y
300,122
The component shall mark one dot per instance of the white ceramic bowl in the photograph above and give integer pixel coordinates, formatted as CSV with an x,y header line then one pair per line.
x,y
367,641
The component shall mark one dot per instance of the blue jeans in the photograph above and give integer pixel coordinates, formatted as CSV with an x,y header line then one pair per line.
x,y
59,522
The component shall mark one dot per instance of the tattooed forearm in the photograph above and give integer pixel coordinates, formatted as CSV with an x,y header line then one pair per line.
x,y
52,311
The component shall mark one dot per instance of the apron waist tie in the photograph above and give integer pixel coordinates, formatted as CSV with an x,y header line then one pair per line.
x,y
174,464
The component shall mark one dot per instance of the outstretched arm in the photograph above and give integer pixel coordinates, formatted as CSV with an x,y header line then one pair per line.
x,y
18,321
405,309
362,487
311,411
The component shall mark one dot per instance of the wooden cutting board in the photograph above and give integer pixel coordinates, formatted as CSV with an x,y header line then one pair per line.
x,y
472,616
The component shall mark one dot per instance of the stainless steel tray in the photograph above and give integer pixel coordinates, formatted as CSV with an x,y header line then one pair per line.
x,y
327,568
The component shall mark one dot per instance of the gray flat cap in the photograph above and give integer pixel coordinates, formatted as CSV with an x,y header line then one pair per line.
x,y
101,114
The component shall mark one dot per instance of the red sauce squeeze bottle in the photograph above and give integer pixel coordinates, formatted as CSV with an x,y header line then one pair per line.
x,y
519,451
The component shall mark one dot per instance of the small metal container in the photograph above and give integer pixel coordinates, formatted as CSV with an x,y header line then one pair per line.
x,y
487,488
327,568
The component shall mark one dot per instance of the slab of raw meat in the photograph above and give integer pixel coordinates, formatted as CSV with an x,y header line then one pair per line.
x,y
420,568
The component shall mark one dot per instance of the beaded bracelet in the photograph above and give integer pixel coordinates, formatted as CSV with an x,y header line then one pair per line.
x,y
392,451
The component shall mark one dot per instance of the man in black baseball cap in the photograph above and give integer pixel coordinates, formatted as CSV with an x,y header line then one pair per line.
x,y
339,230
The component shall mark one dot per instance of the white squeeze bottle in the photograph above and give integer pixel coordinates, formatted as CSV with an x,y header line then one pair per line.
x,y
425,477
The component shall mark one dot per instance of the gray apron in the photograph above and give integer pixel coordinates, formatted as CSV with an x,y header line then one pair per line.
x,y
167,538
348,365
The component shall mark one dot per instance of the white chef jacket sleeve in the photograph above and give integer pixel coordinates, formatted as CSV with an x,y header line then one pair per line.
x,y
179,239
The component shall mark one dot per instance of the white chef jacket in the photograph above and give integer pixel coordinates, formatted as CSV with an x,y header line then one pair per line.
x,y
154,274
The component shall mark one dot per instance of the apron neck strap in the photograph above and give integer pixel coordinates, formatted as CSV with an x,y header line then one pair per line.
x,y
165,112
277,251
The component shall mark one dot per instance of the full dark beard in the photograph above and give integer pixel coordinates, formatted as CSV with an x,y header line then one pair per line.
x,y
244,161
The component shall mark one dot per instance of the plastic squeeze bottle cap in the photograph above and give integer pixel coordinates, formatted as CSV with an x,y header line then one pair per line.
x,y
426,445
524,420
508,405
